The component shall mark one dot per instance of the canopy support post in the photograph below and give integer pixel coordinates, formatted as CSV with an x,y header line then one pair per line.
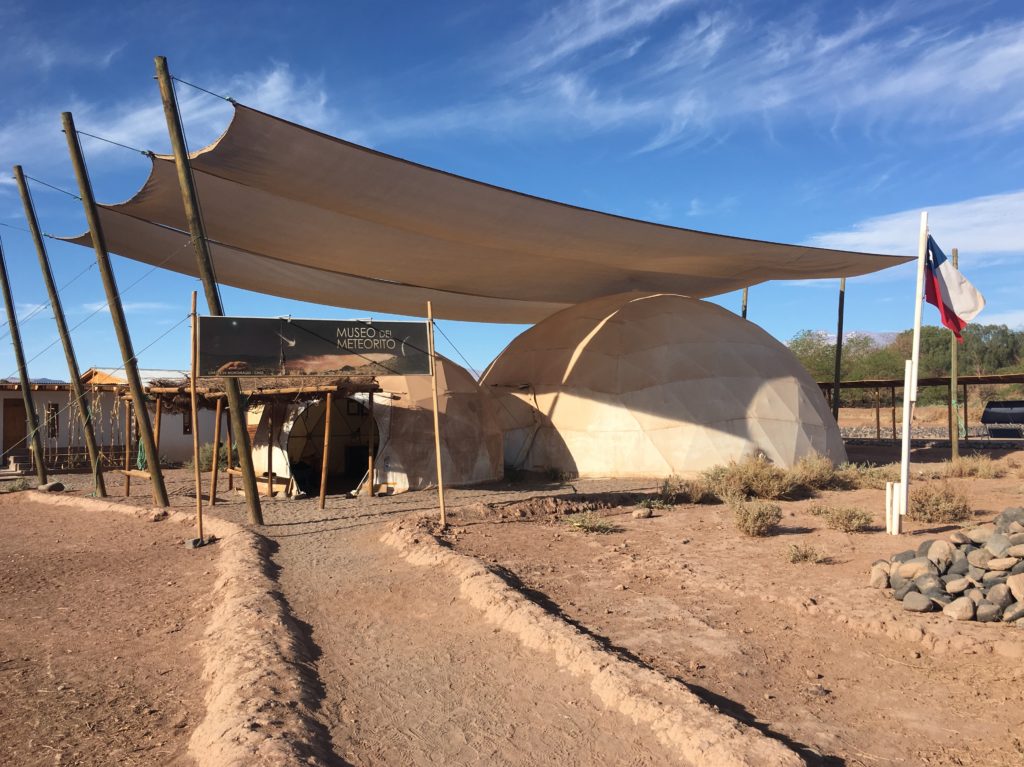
x,y
35,441
194,399
127,448
327,450
205,266
839,350
74,375
124,340
437,429
954,413
743,307
369,457
216,451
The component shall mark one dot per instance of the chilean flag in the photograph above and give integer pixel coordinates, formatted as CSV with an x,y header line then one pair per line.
x,y
957,300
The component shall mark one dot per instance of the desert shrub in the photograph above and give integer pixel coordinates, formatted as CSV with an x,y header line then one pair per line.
x,y
846,520
974,465
14,486
654,503
874,476
755,477
675,490
588,522
816,472
206,457
938,502
798,554
756,518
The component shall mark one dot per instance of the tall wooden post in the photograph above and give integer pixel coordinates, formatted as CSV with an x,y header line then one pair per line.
x,y
743,307
878,413
216,451
839,350
205,268
127,447
437,428
967,423
327,449
892,401
75,377
954,424
270,449
124,340
194,397
369,457
35,441
231,477
157,422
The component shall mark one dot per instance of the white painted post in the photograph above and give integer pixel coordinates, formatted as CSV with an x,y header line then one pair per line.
x,y
922,251
908,408
888,508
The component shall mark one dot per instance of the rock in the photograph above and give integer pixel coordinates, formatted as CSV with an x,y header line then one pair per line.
x,y
959,537
923,546
959,567
916,567
1000,596
897,581
986,612
997,544
904,556
940,554
1016,550
1016,586
929,582
1001,563
1010,516
642,513
51,487
907,588
975,573
979,558
1017,568
938,597
958,586
1014,612
961,609
879,578
917,603
1016,533
981,533
975,595
158,516
991,579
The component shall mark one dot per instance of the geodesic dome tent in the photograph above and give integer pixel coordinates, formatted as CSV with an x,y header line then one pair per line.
x,y
653,385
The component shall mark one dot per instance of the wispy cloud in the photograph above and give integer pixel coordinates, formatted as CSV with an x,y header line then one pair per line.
x,y
1013,318
990,227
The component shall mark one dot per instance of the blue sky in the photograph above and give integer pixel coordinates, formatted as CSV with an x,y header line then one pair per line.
x,y
823,123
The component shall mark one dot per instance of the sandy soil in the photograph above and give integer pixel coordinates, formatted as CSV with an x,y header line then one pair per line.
x,y
806,653
99,615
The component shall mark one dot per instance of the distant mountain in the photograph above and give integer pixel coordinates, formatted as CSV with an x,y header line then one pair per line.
x,y
15,379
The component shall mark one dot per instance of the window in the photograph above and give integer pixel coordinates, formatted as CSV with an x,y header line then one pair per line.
x,y
186,423
52,420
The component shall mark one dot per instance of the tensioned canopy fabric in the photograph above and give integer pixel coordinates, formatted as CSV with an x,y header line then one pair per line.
x,y
296,213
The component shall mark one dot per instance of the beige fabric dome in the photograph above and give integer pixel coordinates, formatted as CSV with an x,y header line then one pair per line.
x,y
653,385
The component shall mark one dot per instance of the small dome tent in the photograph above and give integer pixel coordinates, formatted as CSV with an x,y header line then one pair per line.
x,y
471,437
653,385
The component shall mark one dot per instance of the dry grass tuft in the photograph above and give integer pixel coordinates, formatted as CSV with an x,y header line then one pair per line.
x,y
15,485
938,502
675,490
816,472
798,554
588,522
975,465
755,477
756,518
846,520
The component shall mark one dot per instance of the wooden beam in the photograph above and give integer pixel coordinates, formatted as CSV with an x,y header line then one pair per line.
x,y
216,453
270,449
743,307
127,448
74,375
878,413
327,450
437,429
197,470
33,437
129,473
231,476
124,340
204,263
954,425
156,424
839,350
892,399
967,423
369,461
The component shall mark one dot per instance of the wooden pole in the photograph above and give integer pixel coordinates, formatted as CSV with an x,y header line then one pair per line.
x,y
954,425
193,367
892,401
839,350
204,264
156,423
231,477
74,376
270,449
878,413
327,449
127,447
743,308
216,452
437,428
369,461
34,440
967,423
124,340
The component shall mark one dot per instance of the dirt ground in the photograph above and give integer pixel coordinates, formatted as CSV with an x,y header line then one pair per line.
x,y
99,616
807,653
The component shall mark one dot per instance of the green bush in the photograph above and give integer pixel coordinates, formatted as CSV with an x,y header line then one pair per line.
x,y
756,518
846,520
588,522
206,457
938,502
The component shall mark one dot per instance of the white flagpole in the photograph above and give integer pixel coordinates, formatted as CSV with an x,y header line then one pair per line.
x,y
910,392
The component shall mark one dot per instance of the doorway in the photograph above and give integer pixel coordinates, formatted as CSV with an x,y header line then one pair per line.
x,y
350,441
15,426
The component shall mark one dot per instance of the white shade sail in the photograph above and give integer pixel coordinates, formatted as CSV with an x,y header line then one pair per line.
x,y
299,214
